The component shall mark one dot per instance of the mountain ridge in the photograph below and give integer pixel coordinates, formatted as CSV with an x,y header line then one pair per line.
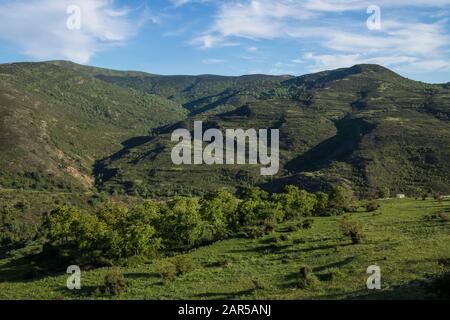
x,y
364,126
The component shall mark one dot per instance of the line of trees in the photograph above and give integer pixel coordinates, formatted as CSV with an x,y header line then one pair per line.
x,y
114,233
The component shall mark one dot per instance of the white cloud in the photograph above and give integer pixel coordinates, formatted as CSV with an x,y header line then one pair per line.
x,y
403,40
39,27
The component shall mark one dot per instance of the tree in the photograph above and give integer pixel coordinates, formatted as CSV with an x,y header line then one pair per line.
x,y
352,229
296,202
339,199
254,193
219,215
181,223
113,233
385,193
321,203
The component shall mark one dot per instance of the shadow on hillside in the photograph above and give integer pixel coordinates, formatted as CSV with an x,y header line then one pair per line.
x,y
31,268
338,148
338,264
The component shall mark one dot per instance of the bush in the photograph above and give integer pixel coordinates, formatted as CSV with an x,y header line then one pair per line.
x,y
254,232
114,283
352,229
284,237
168,272
444,216
305,277
184,265
372,206
269,226
306,224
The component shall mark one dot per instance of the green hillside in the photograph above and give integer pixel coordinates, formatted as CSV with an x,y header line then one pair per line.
x,y
66,126
411,250
365,127
57,119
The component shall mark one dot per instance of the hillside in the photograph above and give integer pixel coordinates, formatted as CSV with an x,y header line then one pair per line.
x,y
57,118
67,126
411,251
365,127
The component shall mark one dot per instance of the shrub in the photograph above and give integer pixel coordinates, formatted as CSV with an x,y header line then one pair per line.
x,y
305,277
293,228
336,274
444,216
352,229
284,237
114,283
184,265
270,226
168,272
307,224
372,206
258,284
254,232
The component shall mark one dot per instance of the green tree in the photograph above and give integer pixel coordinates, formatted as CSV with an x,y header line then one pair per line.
x,y
254,193
181,223
296,202
321,203
219,215
339,199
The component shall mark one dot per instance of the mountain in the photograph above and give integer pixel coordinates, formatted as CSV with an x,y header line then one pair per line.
x,y
365,127
57,118
66,126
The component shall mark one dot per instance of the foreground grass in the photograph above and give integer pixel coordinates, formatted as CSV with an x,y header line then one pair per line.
x,y
409,250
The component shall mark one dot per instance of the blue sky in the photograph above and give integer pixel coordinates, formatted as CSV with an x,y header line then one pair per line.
x,y
232,37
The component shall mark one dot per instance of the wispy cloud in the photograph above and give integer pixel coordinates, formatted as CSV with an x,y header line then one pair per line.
x,y
39,27
343,37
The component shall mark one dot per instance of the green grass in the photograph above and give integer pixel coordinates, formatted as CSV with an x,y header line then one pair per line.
x,y
409,249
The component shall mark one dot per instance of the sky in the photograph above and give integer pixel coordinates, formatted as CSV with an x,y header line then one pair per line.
x,y
232,37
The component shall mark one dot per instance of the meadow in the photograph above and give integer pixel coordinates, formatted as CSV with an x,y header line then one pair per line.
x,y
406,238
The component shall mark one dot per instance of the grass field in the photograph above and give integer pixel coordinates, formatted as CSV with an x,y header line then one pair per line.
x,y
410,250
